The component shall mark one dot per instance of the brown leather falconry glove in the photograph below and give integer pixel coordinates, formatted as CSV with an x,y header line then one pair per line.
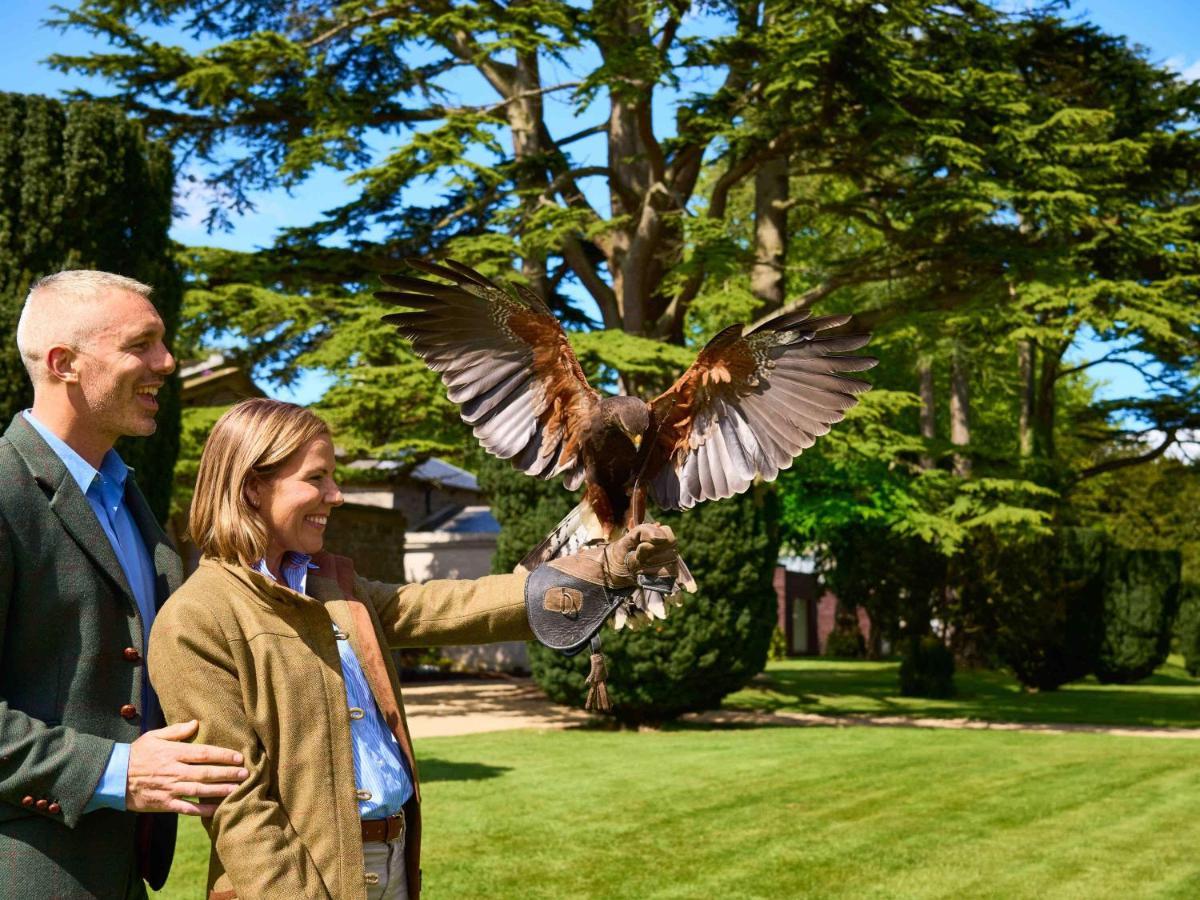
x,y
647,550
568,599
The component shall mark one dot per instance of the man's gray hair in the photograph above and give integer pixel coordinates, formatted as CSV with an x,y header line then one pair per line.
x,y
58,311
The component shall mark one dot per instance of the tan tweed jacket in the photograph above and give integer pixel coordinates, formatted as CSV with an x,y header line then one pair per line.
x,y
257,664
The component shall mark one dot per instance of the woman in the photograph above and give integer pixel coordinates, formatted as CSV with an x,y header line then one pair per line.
x,y
277,649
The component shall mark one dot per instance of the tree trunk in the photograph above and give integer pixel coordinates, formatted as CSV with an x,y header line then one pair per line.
x,y
960,414
525,117
928,407
1026,352
1044,401
629,185
770,233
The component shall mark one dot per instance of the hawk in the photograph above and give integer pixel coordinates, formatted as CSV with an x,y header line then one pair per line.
x,y
746,408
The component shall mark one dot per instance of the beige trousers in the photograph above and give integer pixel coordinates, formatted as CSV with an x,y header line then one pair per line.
x,y
385,874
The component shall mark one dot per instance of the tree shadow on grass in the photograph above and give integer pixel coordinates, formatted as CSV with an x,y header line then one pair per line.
x,y
1165,699
433,769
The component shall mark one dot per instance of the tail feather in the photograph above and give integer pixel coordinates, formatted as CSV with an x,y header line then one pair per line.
x,y
577,529
685,579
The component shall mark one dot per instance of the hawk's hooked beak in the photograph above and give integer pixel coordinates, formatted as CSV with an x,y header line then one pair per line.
x,y
637,440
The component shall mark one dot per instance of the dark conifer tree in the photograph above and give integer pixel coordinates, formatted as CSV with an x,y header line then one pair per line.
x,y
81,187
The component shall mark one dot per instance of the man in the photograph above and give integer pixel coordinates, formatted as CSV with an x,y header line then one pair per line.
x,y
84,760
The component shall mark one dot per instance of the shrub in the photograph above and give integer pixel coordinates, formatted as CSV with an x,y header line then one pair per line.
x,y
1187,626
927,669
705,649
1141,598
778,648
81,187
892,578
846,642
1046,597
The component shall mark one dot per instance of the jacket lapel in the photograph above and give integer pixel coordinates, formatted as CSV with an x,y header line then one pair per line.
x,y
353,617
168,568
67,501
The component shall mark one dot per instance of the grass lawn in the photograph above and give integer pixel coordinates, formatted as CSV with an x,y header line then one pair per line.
x,y
1170,697
799,812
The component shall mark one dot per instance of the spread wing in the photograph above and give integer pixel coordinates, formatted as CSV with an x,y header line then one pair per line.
x,y
749,405
505,361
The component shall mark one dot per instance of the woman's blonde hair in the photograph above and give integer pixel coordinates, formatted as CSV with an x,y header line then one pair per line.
x,y
253,439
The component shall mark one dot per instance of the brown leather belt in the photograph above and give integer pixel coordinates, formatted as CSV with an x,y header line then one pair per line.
x,y
383,830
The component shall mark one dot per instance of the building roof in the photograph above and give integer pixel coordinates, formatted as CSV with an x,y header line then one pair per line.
x,y
432,471
461,520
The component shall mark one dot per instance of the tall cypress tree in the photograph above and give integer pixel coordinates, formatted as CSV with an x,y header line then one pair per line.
x,y
82,188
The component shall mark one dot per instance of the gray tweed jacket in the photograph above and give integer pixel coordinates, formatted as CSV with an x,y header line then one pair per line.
x,y
70,683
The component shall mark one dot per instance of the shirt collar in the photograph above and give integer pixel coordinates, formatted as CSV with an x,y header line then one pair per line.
x,y
295,568
112,468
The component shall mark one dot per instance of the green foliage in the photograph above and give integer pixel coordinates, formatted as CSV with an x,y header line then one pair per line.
x,y
845,642
81,187
383,397
643,360
1046,601
196,424
1141,598
1187,626
927,669
778,648
710,646
526,508
1149,507
983,189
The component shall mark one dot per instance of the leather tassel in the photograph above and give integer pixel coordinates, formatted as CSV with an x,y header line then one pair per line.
x,y
597,697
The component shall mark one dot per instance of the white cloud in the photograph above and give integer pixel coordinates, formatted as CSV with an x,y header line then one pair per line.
x,y
1186,447
1187,70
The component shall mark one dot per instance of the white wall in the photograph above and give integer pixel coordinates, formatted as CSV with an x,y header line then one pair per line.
x,y
440,554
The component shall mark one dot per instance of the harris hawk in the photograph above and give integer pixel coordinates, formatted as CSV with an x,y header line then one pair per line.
x,y
749,404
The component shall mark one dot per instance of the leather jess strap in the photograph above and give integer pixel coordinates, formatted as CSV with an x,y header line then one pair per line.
x,y
383,830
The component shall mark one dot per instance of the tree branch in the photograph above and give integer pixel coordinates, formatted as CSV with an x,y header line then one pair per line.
x,y
350,24
811,296
1125,461
605,297
1114,356
580,135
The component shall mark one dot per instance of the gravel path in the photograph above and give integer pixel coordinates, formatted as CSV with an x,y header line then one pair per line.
x,y
740,717
472,707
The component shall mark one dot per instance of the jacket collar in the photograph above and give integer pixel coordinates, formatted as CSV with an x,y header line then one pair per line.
x,y
67,500
332,579
79,519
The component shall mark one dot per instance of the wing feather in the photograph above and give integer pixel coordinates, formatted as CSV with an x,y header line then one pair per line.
x,y
479,409
750,404
741,457
505,361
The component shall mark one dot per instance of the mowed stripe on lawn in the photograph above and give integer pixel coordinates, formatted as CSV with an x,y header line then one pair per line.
x,y
779,812
809,812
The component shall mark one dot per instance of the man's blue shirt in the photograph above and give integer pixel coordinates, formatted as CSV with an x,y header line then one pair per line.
x,y
105,493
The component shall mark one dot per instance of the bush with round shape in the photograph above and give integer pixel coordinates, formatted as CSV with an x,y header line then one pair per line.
x,y
927,669
1141,598
1045,596
705,649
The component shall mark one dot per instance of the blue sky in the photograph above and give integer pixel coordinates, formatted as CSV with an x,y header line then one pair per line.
x,y
1169,28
